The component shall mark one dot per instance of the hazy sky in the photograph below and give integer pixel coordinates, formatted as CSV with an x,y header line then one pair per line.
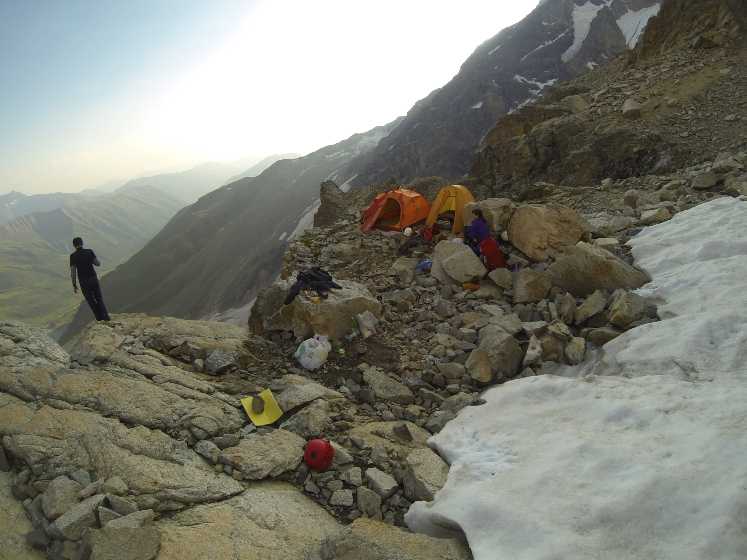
x,y
95,90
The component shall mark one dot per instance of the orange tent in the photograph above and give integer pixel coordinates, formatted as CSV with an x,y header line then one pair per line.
x,y
395,210
451,199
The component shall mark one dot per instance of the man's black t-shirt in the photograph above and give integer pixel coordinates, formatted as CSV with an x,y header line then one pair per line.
x,y
82,260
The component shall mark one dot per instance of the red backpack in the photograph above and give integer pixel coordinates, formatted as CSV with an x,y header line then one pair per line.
x,y
492,254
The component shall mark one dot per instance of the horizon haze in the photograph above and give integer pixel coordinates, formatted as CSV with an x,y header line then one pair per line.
x,y
105,90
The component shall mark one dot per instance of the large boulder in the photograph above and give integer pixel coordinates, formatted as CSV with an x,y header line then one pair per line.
x,y
497,212
270,520
531,286
584,268
13,525
497,357
334,316
386,388
542,231
455,262
626,308
367,539
425,474
159,471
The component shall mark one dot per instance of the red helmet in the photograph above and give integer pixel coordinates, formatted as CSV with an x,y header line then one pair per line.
x,y
319,454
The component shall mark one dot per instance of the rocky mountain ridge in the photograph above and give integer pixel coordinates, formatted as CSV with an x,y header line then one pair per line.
x,y
559,40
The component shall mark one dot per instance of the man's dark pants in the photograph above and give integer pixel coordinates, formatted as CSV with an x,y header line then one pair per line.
x,y
92,292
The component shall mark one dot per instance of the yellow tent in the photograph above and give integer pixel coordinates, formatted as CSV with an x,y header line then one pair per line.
x,y
451,199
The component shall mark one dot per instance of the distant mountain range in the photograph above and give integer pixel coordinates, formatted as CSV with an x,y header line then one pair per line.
x,y
215,255
190,185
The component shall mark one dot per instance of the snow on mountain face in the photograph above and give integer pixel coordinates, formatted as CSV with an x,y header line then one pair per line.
x,y
633,23
644,459
559,40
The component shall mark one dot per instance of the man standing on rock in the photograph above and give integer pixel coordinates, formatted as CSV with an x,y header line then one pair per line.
x,y
82,262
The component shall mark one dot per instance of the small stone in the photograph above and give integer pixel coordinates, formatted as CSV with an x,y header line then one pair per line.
x,y
353,476
106,515
607,242
226,441
342,456
37,539
114,485
575,351
531,286
451,370
59,497
631,198
4,463
593,305
220,361
705,181
386,388
425,474
82,477
381,483
632,109
601,336
502,278
657,216
369,502
111,543
133,520
72,524
208,450
120,505
342,498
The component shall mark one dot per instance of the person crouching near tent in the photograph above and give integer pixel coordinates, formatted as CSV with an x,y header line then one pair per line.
x,y
477,232
477,235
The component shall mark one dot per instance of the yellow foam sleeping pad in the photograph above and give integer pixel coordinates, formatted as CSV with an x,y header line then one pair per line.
x,y
264,412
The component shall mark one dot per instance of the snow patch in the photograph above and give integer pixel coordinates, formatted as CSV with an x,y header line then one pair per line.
x,y
646,459
477,105
536,87
632,24
283,236
494,50
583,16
545,44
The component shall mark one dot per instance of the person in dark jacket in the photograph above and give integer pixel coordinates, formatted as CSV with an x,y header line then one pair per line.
x,y
477,232
82,262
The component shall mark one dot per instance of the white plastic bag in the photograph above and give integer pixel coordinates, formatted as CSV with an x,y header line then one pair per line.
x,y
312,353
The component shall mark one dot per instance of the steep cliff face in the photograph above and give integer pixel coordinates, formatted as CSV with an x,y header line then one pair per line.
x,y
674,100
559,40
695,23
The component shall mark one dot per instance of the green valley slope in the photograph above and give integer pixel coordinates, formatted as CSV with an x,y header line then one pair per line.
x,y
34,277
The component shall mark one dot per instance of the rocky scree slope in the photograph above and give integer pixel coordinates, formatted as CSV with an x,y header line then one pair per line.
x,y
135,433
560,39
213,255
676,100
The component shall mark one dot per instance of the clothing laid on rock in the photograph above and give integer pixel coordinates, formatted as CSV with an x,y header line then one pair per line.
x,y
312,279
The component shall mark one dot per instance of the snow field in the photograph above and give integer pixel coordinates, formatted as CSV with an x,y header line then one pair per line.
x,y
652,464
